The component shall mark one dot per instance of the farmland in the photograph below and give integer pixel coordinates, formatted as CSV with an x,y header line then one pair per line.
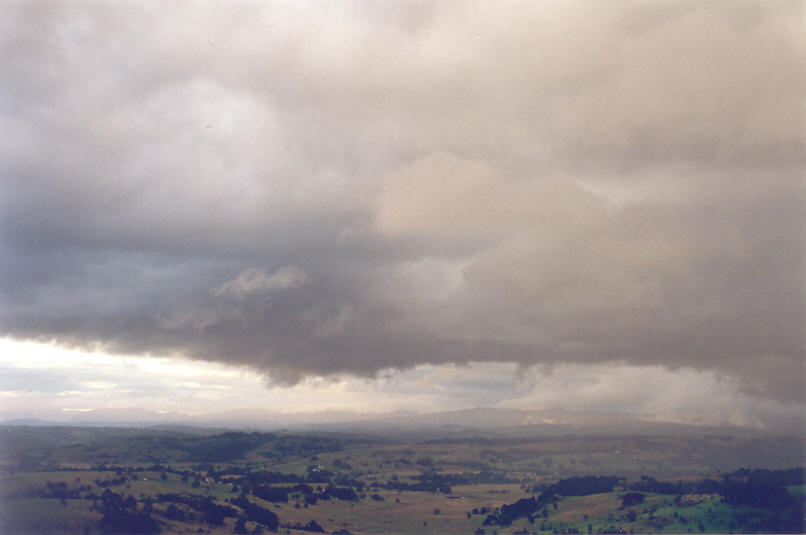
x,y
119,480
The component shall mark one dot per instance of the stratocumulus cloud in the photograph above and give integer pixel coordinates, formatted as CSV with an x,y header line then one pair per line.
x,y
348,188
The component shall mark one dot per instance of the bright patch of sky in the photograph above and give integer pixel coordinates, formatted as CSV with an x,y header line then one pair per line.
x,y
44,381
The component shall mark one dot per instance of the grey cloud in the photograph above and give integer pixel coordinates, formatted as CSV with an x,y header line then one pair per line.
x,y
540,183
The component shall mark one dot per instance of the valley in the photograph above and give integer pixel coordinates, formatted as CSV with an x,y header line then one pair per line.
x,y
194,480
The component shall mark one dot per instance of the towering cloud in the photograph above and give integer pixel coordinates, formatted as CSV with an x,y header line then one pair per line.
x,y
313,189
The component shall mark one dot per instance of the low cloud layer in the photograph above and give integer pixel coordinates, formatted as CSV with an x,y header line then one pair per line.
x,y
313,190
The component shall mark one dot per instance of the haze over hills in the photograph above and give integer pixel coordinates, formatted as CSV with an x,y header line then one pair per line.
x,y
481,420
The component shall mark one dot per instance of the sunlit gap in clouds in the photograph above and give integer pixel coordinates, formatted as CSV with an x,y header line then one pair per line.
x,y
46,381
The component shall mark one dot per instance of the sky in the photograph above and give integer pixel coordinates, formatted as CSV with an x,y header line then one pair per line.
x,y
380,206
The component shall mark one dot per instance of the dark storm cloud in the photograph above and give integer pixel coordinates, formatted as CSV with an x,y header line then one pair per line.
x,y
312,189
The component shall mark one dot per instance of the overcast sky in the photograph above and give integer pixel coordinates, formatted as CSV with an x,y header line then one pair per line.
x,y
478,203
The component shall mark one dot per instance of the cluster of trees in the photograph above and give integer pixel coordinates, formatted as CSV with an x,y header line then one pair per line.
x,y
583,486
57,491
631,499
172,512
258,477
211,512
215,514
111,482
759,488
792,476
311,496
507,514
340,493
311,526
756,492
256,513
428,485
433,481
648,484
260,483
732,484
271,494
122,515
766,489
61,491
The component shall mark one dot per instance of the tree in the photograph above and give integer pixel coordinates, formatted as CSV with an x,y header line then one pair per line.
x,y
240,527
174,513
313,526
271,494
256,513
632,498
130,503
121,515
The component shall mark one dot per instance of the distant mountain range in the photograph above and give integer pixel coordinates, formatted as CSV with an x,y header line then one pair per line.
x,y
469,422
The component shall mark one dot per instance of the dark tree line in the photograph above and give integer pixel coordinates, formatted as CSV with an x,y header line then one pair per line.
x,y
583,486
256,513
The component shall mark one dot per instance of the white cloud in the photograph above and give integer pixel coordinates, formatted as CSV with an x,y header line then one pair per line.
x,y
254,280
